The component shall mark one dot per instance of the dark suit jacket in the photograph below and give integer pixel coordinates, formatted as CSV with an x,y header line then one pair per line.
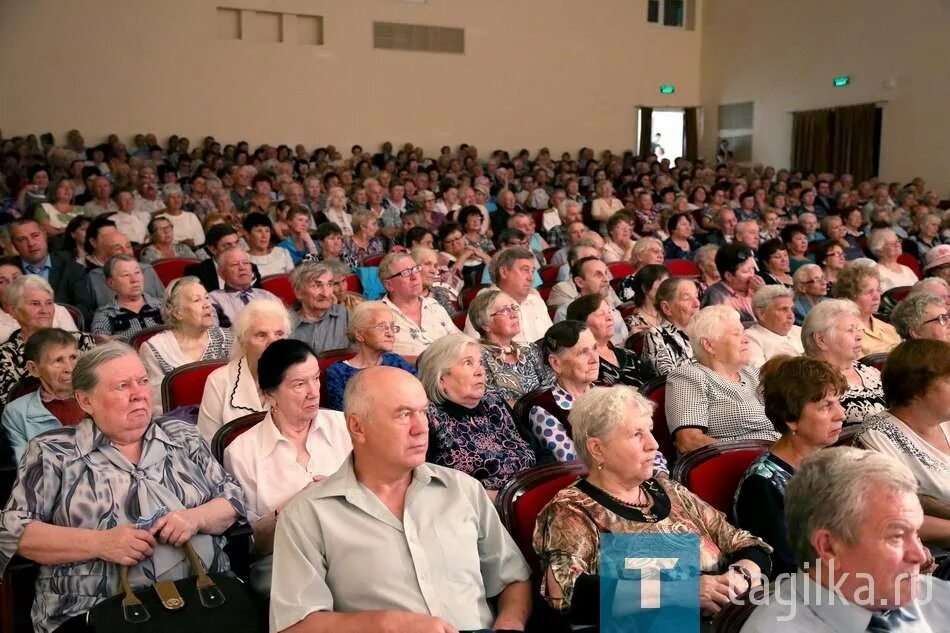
x,y
208,274
70,284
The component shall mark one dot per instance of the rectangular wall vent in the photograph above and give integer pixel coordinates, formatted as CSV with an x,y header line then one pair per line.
x,y
418,37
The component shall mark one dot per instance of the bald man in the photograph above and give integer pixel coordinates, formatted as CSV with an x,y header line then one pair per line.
x,y
389,542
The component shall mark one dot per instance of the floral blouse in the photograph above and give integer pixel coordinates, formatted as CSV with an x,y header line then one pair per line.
x,y
482,442
513,381
759,507
354,254
631,371
667,347
568,529
866,399
74,477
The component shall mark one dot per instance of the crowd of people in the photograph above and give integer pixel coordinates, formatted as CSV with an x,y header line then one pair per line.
x,y
764,300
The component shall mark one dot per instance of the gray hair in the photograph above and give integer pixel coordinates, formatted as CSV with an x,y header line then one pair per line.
x,y
798,277
830,491
306,273
360,316
386,265
478,311
641,245
172,190
765,295
173,296
421,251
506,258
110,265
13,295
877,238
708,324
822,318
85,377
602,409
850,278
254,310
908,315
924,285
706,252
437,360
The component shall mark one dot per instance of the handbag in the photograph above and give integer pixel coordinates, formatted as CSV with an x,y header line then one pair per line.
x,y
210,603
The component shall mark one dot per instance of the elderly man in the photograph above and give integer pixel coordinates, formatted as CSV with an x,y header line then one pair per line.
x,y
110,244
507,207
860,553
235,268
811,288
420,320
102,202
132,223
133,310
747,234
389,542
68,279
724,227
922,315
512,271
220,237
589,277
776,332
320,321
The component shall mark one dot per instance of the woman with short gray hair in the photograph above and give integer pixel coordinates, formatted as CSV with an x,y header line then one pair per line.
x,y
193,334
165,489
612,431
860,281
832,333
186,224
810,289
887,247
922,315
470,429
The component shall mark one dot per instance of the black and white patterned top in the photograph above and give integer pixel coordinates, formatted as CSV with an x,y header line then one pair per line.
x,y
511,381
666,347
860,402
13,366
699,398
115,320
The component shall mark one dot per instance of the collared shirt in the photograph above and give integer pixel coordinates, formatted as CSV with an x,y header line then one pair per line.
x,y
764,343
265,462
67,480
115,320
326,333
801,605
42,268
878,337
445,557
535,319
94,209
132,225
230,392
413,338
229,303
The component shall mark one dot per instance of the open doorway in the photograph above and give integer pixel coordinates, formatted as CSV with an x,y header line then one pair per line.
x,y
667,132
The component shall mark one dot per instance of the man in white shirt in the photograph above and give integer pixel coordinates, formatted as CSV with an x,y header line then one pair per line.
x,y
512,270
591,277
130,222
776,332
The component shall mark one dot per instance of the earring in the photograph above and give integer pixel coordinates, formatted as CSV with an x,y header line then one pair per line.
x,y
600,466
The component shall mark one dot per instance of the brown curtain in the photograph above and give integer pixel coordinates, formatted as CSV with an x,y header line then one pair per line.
x,y
811,138
646,131
852,147
690,133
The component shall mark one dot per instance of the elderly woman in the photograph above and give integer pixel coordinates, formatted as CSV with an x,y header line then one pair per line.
x,y
470,429
801,398
132,310
922,315
365,241
775,265
50,356
619,244
706,262
162,244
647,251
194,334
716,397
667,346
54,217
30,300
372,332
336,210
774,332
810,289
886,248
860,282
641,289
622,495
232,391
832,333
915,428
680,243
605,204
270,259
164,490
796,243
295,444
512,369
617,365
187,226
437,282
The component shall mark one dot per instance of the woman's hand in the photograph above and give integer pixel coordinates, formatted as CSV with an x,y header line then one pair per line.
x,y
714,591
176,528
126,545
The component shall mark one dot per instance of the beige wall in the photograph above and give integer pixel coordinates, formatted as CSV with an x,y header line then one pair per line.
x,y
783,54
560,73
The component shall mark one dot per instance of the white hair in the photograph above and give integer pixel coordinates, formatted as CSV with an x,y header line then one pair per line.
x,y
765,295
13,295
437,360
602,409
708,324
822,318
251,313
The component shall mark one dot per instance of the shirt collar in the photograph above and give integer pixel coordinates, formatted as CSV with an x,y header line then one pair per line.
x,y
836,611
271,436
343,483
89,438
47,263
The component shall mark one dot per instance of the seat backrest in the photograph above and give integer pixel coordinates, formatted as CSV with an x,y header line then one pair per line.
x,y
620,270
325,359
636,341
522,407
523,498
186,384
549,253
353,283
459,319
876,360
76,315
231,431
25,385
171,268
911,262
467,296
372,260
713,472
137,340
682,268
656,392
280,286
549,275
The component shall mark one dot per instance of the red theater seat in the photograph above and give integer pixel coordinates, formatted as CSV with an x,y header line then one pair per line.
x,y
713,472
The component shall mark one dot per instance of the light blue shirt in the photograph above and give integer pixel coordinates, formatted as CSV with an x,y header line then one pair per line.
x,y
25,418
486,278
42,269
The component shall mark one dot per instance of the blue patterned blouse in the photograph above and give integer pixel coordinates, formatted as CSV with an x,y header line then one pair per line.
x,y
338,374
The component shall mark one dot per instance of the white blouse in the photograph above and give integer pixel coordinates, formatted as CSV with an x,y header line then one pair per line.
x,y
890,279
230,392
931,467
277,262
265,462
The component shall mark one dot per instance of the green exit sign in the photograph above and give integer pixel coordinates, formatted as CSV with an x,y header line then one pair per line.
x,y
842,81
667,89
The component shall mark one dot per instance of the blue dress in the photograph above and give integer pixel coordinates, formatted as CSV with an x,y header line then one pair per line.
x,y
338,374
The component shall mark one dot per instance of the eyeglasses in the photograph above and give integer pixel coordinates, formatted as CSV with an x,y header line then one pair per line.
x,y
386,327
816,280
943,319
509,310
406,274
